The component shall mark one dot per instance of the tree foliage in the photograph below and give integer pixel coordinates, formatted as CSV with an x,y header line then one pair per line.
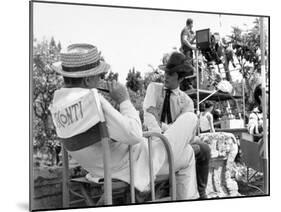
x,y
134,80
247,50
137,100
45,81
247,47
153,76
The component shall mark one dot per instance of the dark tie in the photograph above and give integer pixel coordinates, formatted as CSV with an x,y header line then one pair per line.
x,y
166,108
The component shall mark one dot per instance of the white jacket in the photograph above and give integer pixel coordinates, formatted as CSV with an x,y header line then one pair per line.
x,y
180,103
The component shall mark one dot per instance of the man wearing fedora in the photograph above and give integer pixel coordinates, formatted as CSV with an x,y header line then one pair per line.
x,y
169,110
74,113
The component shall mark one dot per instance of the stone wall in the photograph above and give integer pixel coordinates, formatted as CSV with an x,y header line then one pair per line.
x,y
48,186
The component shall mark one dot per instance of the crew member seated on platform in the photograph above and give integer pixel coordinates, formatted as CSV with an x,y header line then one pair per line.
x,y
74,112
170,111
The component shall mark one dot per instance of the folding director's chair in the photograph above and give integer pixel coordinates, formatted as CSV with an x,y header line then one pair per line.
x,y
110,184
251,156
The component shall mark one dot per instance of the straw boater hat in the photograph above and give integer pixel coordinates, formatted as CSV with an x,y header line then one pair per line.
x,y
177,62
80,60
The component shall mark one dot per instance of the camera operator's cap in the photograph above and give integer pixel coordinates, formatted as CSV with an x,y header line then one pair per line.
x,y
80,60
177,62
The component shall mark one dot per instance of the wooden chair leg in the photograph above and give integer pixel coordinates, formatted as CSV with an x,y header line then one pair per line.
x,y
101,201
85,194
65,180
132,177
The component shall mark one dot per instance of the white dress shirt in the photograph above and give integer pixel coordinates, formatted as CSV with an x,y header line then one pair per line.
x,y
180,103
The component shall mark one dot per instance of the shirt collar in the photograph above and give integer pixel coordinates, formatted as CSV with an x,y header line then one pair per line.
x,y
175,91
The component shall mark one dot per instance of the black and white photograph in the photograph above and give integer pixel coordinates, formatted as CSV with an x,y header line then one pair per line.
x,y
137,105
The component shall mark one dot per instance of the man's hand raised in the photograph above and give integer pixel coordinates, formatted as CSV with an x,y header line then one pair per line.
x,y
117,91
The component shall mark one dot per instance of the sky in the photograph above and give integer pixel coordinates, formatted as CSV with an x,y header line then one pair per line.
x,y
126,37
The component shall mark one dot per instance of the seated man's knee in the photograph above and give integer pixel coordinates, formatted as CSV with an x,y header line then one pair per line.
x,y
189,117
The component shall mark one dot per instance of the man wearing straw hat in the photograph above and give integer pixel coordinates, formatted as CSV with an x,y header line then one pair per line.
x,y
74,114
169,110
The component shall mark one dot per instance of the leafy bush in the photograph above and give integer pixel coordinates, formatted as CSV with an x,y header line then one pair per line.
x,y
44,81
134,80
137,100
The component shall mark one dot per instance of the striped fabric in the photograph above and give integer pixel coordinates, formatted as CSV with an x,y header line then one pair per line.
x,y
80,56
76,56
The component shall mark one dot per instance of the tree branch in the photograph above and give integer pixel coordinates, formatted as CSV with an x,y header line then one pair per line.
x,y
37,113
44,109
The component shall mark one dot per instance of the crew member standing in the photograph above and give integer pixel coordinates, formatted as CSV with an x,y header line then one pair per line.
x,y
187,40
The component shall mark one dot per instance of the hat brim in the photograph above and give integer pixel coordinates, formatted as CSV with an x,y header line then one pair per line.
x,y
187,74
102,68
190,76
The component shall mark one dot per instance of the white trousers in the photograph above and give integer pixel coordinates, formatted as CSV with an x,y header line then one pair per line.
x,y
179,135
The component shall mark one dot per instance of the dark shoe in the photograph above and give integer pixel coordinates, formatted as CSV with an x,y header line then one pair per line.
x,y
203,196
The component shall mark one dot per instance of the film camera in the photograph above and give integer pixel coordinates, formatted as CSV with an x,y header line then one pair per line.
x,y
209,46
